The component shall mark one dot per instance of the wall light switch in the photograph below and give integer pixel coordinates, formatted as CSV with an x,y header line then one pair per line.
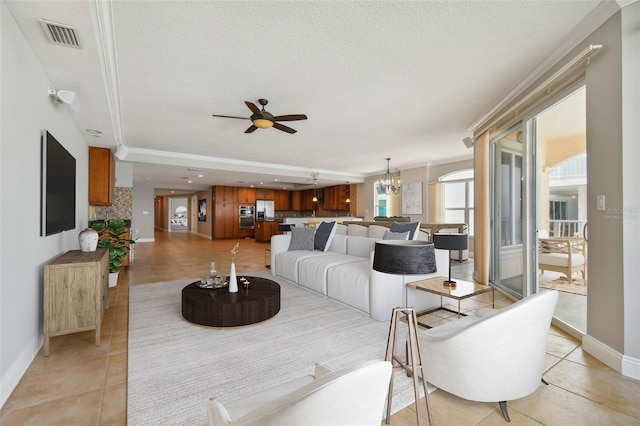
x,y
145,212
600,203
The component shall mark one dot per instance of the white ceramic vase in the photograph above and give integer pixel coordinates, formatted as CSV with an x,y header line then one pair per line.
x,y
233,280
88,239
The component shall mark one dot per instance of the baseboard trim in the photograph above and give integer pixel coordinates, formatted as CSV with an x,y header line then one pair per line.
x,y
145,240
623,364
631,367
11,378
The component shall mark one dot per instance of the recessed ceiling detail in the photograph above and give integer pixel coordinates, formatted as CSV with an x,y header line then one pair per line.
x,y
64,35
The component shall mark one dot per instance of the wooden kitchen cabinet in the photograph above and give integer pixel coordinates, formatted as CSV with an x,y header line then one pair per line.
x,y
265,194
75,294
102,175
282,200
335,198
246,196
264,231
296,198
306,199
224,193
225,220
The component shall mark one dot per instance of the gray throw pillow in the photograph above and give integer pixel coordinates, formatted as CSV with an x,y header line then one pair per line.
x,y
388,235
324,234
301,239
404,227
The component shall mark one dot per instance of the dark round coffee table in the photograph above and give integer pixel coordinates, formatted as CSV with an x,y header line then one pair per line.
x,y
219,308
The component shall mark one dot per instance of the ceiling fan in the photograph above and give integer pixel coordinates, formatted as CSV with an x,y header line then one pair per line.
x,y
263,119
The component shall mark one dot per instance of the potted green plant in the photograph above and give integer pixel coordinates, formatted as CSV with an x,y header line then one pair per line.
x,y
392,219
112,235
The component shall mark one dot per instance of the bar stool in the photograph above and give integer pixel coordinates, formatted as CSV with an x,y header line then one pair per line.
x,y
411,365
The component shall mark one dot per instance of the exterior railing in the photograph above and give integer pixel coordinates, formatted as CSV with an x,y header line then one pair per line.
x,y
566,228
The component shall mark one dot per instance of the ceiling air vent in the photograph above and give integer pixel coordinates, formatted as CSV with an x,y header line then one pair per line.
x,y
61,34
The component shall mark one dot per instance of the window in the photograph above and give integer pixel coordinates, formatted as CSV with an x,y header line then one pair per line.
x,y
458,198
381,208
511,198
557,210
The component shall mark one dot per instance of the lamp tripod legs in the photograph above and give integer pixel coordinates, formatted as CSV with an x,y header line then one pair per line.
x,y
413,365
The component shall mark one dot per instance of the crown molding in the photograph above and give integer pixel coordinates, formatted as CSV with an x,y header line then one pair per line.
x,y
102,16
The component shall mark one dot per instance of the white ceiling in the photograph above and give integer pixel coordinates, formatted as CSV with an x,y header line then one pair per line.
x,y
401,79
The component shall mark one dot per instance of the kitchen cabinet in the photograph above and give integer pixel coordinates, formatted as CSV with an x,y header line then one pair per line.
x,y
247,196
264,231
296,198
306,199
102,174
335,198
225,220
224,193
282,199
75,294
265,194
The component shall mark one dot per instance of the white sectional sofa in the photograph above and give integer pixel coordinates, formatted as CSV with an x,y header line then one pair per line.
x,y
344,273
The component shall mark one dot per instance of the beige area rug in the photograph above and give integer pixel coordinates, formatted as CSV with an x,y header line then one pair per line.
x,y
578,285
175,366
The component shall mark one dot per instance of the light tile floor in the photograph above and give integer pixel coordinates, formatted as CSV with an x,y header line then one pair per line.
x,y
81,384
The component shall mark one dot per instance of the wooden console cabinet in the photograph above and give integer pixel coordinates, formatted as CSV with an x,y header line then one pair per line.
x,y
75,294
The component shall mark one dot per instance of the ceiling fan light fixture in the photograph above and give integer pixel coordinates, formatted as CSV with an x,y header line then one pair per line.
x,y
262,123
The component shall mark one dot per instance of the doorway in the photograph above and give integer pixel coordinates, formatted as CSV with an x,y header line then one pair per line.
x,y
562,204
178,217
538,196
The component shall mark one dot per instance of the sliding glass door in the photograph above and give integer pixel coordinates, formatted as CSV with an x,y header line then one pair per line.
x,y
512,193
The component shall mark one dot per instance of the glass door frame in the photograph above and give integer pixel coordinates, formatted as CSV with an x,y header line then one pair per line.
x,y
529,214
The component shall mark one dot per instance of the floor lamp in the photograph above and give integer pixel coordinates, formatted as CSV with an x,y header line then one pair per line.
x,y
450,242
401,257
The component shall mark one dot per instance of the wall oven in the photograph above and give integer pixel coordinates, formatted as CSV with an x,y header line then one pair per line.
x,y
246,217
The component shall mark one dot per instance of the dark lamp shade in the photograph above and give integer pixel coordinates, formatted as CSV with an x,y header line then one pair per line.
x,y
404,257
450,241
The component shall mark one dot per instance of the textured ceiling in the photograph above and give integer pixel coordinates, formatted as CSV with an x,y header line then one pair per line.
x,y
377,79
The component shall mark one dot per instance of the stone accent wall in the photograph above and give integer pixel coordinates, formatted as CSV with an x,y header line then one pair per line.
x,y
122,207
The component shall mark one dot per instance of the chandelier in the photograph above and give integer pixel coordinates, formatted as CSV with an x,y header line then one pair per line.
x,y
388,183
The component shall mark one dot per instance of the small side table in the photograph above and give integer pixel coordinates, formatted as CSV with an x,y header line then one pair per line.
x,y
462,290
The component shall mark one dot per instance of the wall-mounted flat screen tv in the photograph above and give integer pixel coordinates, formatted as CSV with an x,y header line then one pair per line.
x,y
58,187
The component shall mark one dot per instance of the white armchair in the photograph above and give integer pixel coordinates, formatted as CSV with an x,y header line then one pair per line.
x,y
353,396
493,356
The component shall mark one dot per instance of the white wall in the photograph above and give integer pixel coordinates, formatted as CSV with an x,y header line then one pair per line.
x,y
142,222
26,110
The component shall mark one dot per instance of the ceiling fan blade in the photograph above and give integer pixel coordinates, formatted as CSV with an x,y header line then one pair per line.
x,y
290,117
254,109
251,129
229,116
284,128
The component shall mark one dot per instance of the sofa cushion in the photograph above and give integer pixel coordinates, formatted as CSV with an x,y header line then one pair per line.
x,y
324,234
339,244
349,284
312,270
377,231
360,246
287,262
302,239
389,235
357,230
560,259
341,229
403,227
